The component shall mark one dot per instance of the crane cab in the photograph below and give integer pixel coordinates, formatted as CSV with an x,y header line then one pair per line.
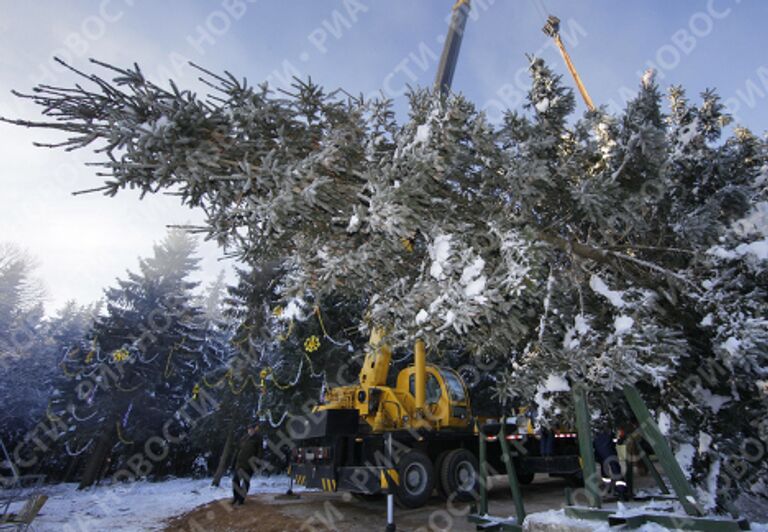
x,y
446,402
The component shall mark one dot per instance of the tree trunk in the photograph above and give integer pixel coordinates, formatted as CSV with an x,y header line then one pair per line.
x,y
223,459
69,473
96,460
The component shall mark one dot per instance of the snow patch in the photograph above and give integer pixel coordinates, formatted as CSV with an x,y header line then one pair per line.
x,y
622,324
731,345
556,383
684,456
762,178
128,507
649,78
555,520
710,496
713,401
689,132
423,132
756,222
613,296
542,106
354,224
475,288
439,252
706,321
448,320
581,324
294,310
422,317
758,248
705,442
160,123
472,271
471,278
580,328
664,423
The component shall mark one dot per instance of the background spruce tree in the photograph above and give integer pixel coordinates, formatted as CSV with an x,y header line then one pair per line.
x,y
137,365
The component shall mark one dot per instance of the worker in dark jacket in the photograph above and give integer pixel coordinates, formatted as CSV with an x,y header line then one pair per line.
x,y
606,454
251,446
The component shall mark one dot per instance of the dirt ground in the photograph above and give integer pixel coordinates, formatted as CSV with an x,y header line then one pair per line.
x,y
320,511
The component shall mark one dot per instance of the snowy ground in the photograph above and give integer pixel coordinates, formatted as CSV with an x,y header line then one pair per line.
x,y
563,522
145,506
134,507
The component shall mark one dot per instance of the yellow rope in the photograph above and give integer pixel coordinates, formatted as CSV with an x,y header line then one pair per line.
x,y
247,380
320,319
67,374
227,375
278,385
127,390
120,434
311,367
168,369
284,337
50,415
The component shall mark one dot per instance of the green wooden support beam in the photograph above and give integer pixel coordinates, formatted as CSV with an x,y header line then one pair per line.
x,y
584,512
629,475
483,474
655,474
680,522
586,449
514,485
483,522
653,435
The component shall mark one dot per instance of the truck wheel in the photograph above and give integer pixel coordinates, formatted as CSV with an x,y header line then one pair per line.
x,y
459,475
438,480
416,480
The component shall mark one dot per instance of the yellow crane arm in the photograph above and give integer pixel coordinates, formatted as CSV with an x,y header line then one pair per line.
x,y
552,28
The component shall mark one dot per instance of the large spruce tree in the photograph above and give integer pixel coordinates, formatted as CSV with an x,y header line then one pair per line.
x,y
605,250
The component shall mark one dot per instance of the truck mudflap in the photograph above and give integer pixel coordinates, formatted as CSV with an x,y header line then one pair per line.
x,y
314,476
358,479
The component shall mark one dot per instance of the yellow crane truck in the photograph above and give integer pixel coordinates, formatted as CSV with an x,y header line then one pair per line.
x,y
340,446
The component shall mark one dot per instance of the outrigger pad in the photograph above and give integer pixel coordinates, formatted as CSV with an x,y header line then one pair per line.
x,y
342,422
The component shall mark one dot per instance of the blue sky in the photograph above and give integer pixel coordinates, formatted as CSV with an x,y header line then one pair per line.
x,y
363,46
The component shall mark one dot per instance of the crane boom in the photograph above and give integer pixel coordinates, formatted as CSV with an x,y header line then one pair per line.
x,y
451,47
552,29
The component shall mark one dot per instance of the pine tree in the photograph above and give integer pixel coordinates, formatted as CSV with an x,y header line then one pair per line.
x,y
138,363
609,251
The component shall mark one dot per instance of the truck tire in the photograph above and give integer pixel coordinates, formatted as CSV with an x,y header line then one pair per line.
x,y
416,480
459,475
438,477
